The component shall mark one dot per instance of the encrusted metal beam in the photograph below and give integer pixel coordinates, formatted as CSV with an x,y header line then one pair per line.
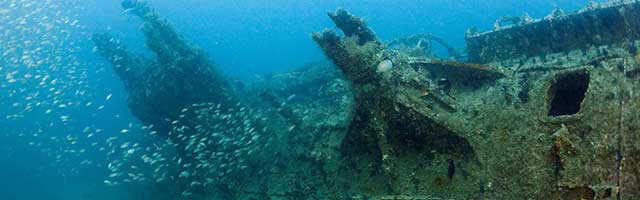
x,y
596,25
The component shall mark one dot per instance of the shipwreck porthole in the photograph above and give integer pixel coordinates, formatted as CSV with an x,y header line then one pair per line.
x,y
567,92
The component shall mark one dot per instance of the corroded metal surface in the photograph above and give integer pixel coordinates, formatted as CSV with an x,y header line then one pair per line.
x,y
600,25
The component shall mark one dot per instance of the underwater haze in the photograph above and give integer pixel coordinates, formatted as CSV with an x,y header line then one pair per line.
x,y
248,38
72,121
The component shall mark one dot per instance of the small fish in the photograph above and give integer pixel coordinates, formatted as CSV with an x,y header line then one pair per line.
x,y
195,183
291,97
184,174
110,139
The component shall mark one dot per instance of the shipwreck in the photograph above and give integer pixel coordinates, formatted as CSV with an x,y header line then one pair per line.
x,y
537,109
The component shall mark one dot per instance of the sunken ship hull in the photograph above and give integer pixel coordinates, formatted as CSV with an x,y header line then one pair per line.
x,y
542,109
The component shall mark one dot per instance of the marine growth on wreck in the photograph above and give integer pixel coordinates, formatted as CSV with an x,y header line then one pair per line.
x,y
542,108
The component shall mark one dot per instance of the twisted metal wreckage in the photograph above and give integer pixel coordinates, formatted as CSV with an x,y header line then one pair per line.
x,y
549,112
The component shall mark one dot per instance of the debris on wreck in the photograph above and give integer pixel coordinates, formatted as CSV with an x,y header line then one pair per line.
x,y
515,21
420,45
456,70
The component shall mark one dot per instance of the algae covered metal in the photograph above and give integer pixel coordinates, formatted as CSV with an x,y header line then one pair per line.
x,y
542,109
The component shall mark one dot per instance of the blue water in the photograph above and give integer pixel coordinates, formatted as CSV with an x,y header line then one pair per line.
x,y
248,37
245,38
